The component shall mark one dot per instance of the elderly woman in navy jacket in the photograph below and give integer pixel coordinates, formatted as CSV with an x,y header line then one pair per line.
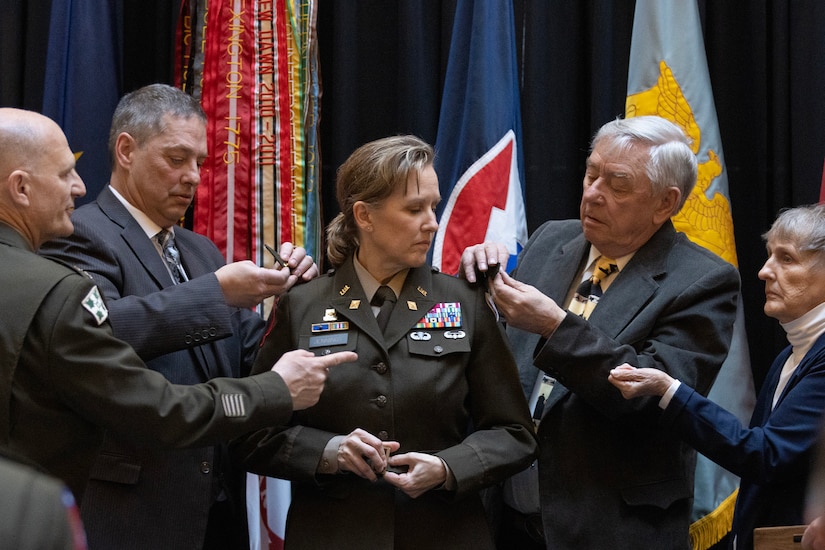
x,y
396,450
772,456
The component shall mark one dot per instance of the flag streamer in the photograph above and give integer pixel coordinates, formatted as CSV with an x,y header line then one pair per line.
x,y
254,65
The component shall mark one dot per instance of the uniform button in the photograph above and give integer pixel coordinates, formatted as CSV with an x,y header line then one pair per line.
x,y
381,401
213,332
205,334
438,349
383,435
197,337
205,467
188,339
380,368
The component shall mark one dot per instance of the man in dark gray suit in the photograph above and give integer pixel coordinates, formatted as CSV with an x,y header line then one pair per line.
x,y
191,332
607,475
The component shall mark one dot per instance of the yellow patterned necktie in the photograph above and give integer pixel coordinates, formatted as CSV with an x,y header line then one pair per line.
x,y
589,292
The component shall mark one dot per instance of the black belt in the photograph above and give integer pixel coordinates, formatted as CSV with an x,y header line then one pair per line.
x,y
527,524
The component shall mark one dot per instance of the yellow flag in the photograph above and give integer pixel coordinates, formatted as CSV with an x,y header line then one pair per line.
x,y
668,77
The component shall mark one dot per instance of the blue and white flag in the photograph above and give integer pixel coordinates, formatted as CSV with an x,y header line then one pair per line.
x,y
479,161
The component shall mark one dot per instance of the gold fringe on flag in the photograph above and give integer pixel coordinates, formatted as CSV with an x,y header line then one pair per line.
x,y
710,529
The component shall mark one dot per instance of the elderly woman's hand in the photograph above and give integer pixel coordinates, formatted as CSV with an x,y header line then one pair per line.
x,y
633,382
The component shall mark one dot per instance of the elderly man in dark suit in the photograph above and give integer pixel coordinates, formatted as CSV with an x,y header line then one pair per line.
x,y
608,477
190,330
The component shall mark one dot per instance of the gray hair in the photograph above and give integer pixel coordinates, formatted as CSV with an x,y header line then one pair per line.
x,y
141,113
804,226
671,162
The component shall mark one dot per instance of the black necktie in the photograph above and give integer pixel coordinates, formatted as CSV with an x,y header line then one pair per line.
x,y
171,255
384,298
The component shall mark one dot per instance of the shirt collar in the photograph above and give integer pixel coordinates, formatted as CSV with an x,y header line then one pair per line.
x,y
594,254
370,284
149,227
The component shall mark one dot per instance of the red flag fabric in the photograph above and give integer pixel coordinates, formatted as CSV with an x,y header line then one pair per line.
x,y
479,160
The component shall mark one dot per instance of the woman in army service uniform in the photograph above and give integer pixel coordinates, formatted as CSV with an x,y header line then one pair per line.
x,y
396,450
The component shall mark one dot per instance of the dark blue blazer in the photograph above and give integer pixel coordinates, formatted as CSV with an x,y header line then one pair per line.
x,y
140,498
773,456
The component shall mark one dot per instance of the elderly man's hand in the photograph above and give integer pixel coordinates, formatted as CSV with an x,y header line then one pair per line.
x,y
525,307
480,257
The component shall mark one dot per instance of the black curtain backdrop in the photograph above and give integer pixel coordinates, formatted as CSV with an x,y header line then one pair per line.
x,y
383,65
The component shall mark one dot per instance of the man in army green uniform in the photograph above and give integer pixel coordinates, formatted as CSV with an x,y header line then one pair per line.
x,y
64,378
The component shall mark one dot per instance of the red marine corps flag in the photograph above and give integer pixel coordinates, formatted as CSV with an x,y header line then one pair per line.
x,y
478,148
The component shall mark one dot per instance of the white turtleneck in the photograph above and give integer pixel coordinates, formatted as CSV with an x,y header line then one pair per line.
x,y
802,333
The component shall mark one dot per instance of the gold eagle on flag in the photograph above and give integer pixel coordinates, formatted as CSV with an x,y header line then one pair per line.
x,y
706,221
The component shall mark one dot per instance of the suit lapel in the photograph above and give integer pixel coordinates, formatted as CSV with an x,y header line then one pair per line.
x,y
635,284
143,251
557,276
193,262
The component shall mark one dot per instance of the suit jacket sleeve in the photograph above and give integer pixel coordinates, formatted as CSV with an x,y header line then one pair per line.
x,y
163,320
684,329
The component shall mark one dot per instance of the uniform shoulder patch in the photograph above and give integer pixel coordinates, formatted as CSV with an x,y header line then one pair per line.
x,y
93,303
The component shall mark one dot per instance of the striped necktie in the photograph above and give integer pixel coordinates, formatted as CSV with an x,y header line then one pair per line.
x,y
590,291
171,255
